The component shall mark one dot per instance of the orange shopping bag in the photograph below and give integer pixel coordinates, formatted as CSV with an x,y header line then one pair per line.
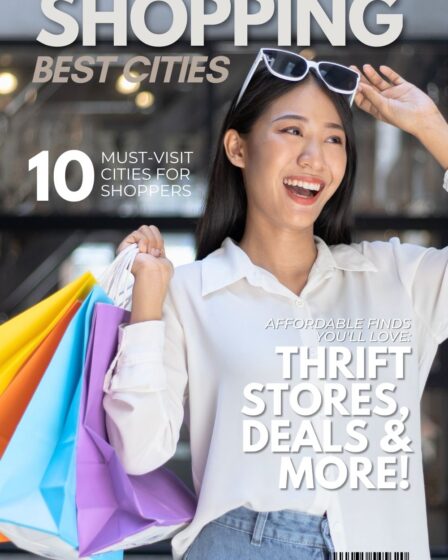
x,y
17,395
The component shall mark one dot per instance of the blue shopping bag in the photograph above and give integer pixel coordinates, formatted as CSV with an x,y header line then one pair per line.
x,y
38,469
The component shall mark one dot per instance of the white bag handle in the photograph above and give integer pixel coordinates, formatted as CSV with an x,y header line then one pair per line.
x,y
117,280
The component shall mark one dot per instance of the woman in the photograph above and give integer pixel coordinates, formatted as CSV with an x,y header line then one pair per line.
x,y
274,255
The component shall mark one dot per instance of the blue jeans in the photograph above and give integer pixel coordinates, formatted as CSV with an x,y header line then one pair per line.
x,y
244,534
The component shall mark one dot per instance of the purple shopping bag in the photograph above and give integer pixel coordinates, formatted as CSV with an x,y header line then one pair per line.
x,y
117,510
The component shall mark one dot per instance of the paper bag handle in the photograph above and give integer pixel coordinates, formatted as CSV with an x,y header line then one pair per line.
x,y
117,280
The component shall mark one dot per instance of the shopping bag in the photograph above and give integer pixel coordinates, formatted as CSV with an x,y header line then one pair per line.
x,y
22,334
17,395
116,510
37,501
37,470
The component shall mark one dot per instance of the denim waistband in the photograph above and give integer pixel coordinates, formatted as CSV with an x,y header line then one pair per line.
x,y
287,525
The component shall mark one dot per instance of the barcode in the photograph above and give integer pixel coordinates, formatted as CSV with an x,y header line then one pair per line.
x,y
369,556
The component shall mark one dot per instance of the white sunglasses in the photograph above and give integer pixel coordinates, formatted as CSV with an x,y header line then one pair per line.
x,y
293,67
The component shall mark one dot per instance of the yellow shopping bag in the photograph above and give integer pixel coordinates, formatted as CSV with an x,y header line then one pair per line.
x,y
21,335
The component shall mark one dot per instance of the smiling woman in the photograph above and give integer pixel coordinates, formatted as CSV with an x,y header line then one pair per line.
x,y
275,241
304,151
283,171
282,132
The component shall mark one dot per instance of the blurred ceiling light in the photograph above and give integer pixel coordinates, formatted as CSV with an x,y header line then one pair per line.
x,y
144,100
126,87
309,54
8,83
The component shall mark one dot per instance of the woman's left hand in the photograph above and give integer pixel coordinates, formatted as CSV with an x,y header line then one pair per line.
x,y
394,100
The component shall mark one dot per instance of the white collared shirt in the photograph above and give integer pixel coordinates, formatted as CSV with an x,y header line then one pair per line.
x,y
215,339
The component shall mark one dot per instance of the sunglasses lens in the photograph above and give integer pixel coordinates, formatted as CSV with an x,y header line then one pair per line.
x,y
338,76
286,64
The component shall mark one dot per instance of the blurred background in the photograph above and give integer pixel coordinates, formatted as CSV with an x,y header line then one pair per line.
x,y
44,245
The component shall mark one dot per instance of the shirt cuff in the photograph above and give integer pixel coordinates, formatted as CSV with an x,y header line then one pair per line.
x,y
445,180
138,364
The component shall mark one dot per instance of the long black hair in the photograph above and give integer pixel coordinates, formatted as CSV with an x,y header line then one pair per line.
x,y
226,203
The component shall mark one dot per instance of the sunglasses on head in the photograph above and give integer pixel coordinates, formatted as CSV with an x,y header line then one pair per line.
x,y
293,67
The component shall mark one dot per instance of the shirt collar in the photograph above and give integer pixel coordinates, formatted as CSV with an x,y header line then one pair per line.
x,y
229,263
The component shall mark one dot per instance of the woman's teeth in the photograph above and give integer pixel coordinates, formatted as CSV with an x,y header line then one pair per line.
x,y
302,188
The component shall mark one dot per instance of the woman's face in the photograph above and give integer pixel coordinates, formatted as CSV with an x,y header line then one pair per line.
x,y
294,158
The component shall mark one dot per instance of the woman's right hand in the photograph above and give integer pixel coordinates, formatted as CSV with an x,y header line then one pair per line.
x,y
152,272
151,257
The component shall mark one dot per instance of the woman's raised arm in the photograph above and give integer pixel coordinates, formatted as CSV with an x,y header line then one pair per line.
x,y
423,270
146,385
391,99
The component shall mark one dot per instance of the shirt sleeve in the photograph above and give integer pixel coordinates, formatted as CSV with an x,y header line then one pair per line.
x,y
424,274
146,390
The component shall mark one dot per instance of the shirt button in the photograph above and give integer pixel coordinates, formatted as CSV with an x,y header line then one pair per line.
x,y
299,302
